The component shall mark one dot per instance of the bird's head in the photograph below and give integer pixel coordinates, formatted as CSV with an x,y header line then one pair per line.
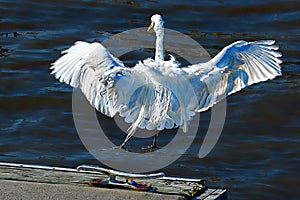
x,y
156,22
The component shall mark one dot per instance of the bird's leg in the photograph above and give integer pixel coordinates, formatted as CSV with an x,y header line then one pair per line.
x,y
154,143
122,146
153,146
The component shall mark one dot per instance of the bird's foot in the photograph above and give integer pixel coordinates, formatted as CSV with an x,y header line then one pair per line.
x,y
150,148
122,147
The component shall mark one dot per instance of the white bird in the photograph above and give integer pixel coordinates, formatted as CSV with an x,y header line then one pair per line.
x,y
170,94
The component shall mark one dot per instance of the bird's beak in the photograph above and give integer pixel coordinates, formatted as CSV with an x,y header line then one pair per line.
x,y
150,26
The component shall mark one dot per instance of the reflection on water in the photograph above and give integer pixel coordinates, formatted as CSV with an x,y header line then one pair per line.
x,y
257,156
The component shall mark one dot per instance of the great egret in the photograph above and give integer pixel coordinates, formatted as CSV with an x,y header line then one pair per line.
x,y
165,100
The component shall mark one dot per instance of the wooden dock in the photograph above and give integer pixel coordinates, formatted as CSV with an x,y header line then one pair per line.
x,y
48,180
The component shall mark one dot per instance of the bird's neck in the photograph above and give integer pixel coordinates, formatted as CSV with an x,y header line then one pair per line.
x,y
159,50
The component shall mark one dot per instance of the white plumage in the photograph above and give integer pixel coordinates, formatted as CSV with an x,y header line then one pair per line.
x,y
158,94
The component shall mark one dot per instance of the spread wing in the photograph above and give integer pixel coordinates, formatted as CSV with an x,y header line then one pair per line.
x,y
90,67
238,65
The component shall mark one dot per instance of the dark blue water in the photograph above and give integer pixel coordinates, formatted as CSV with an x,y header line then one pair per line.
x,y
257,155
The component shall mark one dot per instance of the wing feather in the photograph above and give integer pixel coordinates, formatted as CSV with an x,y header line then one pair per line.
x,y
89,66
238,65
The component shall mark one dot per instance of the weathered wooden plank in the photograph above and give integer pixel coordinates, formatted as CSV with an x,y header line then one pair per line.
x,y
45,191
187,188
218,194
69,177
212,194
205,194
